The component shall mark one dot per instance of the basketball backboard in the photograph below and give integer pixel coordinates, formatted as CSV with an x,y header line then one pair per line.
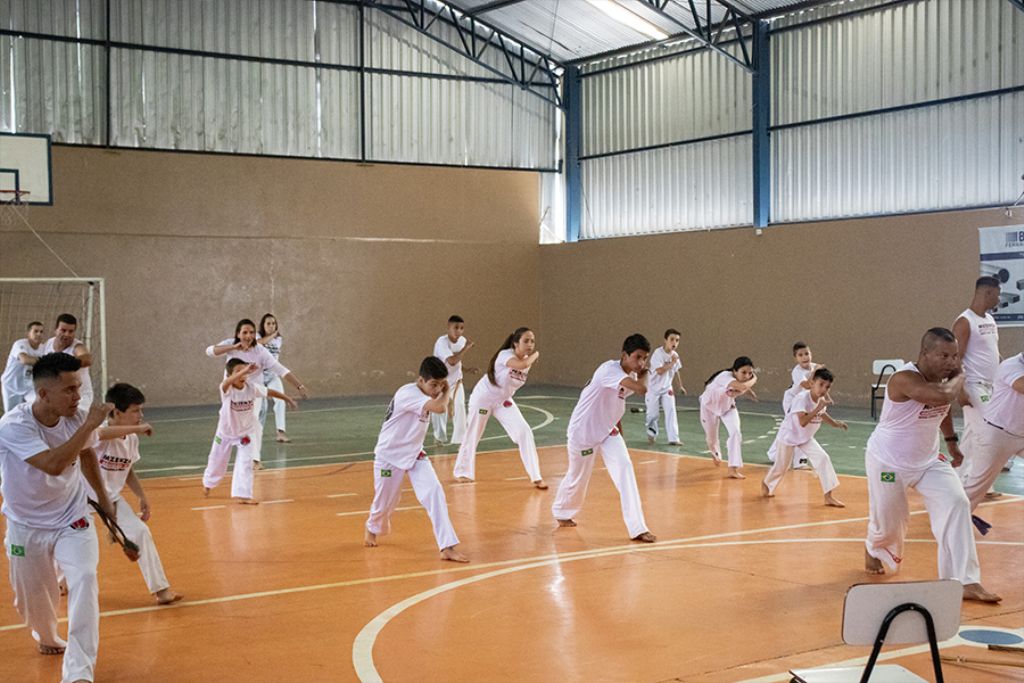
x,y
25,167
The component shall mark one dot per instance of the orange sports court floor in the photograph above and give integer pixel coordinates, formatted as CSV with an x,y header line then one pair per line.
x,y
737,588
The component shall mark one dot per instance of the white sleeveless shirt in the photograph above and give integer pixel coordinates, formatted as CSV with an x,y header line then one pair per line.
x,y
907,433
981,357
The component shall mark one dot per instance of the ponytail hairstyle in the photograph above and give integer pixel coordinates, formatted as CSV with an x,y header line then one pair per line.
x,y
740,362
242,323
509,343
261,331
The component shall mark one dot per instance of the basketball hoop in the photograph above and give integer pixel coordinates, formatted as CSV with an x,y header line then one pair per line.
x,y
14,206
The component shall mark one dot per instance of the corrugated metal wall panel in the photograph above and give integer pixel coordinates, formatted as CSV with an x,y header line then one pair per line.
x,y
912,52
967,153
53,87
692,96
72,18
688,187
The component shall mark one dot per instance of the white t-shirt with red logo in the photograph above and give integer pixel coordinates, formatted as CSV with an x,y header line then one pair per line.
x,y
791,433
84,391
907,435
256,354
238,416
33,497
1006,407
116,458
661,384
718,397
445,348
405,426
602,404
509,380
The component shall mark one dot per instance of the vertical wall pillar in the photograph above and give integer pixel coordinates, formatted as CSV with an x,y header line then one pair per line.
x,y
571,95
762,121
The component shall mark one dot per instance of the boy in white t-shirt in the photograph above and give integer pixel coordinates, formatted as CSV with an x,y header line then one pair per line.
x,y
801,381
796,437
399,452
239,426
16,382
665,366
118,451
46,459
64,341
450,348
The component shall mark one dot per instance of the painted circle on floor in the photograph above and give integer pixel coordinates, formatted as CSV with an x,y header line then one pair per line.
x,y
989,637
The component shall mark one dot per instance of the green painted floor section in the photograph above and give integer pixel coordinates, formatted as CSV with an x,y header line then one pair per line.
x,y
345,429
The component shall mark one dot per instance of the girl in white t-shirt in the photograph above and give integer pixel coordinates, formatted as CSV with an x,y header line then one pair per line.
x,y
718,404
492,395
270,338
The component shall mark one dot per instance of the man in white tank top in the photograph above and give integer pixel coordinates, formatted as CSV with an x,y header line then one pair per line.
x,y
978,338
902,453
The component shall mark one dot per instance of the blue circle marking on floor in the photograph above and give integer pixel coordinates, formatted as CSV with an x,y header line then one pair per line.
x,y
987,637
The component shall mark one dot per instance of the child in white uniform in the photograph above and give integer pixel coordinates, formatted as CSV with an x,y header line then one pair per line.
x,y
595,428
118,451
64,341
399,452
492,395
449,348
665,366
270,338
903,453
16,382
796,437
718,404
238,425
800,375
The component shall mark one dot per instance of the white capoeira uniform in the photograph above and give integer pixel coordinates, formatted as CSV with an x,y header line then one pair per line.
x,y
256,354
16,381
592,430
398,453
445,348
796,441
799,376
1001,435
903,453
84,391
980,362
273,381
489,399
116,458
238,426
661,396
49,530
718,403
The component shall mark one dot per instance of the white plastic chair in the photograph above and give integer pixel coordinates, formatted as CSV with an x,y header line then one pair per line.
x,y
883,369
908,612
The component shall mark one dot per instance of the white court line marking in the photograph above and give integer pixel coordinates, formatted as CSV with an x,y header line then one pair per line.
x,y
366,512
515,478
210,507
280,500
362,646
465,568
341,495
647,462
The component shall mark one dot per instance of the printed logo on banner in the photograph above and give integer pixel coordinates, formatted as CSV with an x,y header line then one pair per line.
x,y
889,477
1001,256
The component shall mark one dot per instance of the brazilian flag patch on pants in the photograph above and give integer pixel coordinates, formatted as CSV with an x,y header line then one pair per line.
x,y
17,550
889,477
385,473
589,451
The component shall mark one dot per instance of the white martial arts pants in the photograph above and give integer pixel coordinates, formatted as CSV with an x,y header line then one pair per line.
x,y
280,407
787,401
515,425
387,488
11,399
813,452
217,464
440,420
34,556
979,393
666,402
949,513
731,420
137,531
994,448
573,488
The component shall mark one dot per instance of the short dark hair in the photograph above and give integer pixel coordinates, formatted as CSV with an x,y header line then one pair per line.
x,y
825,374
33,324
455,319
124,396
671,331
799,345
234,363
987,281
936,335
433,367
52,365
67,319
636,342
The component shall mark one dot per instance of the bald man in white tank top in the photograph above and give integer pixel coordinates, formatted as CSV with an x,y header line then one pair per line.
x,y
978,338
902,453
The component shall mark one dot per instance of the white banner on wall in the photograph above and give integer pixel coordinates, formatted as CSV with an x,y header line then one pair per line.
x,y
1002,256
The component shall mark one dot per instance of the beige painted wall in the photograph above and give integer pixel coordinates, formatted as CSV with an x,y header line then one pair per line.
x,y
347,256
854,290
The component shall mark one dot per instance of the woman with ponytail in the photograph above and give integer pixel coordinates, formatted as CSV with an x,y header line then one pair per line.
x,y
718,403
506,373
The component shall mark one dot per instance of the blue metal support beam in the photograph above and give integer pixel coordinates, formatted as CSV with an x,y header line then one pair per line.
x,y
572,97
1019,4
707,34
762,121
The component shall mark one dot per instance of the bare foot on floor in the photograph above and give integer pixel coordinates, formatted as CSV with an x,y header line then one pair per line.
x,y
283,438
464,480
832,501
765,492
872,565
167,596
50,649
675,443
541,485
206,492
734,473
645,537
977,593
717,458
566,522
257,465
247,501
370,539
450,554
